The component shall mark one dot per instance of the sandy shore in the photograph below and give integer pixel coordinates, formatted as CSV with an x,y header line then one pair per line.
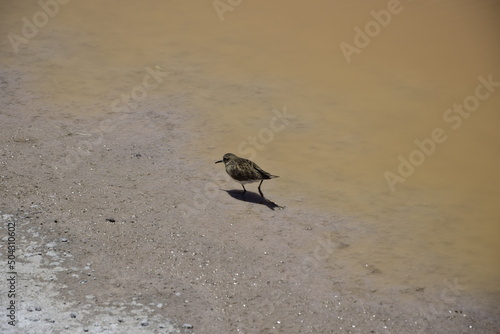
x,y
120,228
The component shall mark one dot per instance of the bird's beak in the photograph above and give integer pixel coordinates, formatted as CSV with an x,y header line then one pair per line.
x,y
218,161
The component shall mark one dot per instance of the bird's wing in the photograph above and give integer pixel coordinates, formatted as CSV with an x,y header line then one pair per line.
x,y
265,175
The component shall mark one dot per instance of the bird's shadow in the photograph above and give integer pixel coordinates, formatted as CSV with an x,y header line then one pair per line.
x,y
252,197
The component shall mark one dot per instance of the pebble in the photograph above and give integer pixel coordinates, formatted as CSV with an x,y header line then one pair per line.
x,y
187,326
52,254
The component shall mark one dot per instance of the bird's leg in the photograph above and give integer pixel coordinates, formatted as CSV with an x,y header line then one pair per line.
x,y
244,190
260,192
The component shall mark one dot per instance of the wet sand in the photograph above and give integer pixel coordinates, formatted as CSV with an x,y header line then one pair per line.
x,y
110,130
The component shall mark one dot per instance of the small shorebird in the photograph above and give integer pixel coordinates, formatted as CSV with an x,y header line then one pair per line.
x,y
245,171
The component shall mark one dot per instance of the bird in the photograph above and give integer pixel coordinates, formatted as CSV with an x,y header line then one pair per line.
x,y
245,171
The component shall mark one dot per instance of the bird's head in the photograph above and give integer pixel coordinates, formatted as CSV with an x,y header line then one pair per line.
x,y
227,157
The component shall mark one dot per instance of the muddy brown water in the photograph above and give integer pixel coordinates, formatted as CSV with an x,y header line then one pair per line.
x,y
352,103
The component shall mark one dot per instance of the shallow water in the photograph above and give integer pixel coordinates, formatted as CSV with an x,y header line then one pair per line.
x,y
349,118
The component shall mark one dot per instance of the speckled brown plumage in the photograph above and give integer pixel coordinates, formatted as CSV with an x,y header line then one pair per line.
x,y
244,171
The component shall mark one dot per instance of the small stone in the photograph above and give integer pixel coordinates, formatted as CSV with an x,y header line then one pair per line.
x,y
187,326
144,324
111,220
38,308
73,315
51,253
